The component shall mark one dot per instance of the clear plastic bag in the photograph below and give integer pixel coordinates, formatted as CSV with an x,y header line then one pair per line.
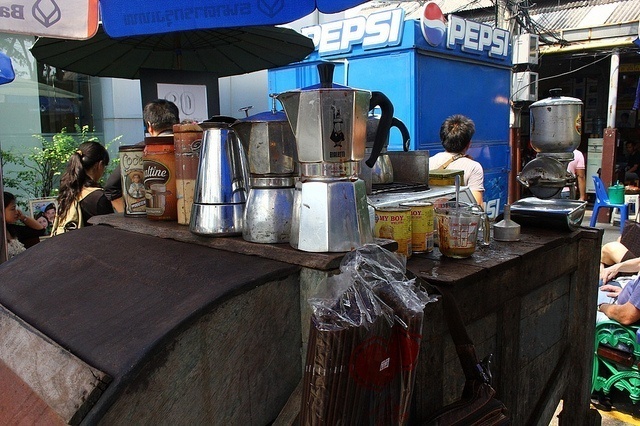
x,y
364,341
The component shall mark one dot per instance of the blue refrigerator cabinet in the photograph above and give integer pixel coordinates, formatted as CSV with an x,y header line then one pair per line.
x,y
426,83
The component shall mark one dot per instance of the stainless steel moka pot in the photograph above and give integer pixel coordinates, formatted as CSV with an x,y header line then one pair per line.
x,y
329,122
273,166
222,182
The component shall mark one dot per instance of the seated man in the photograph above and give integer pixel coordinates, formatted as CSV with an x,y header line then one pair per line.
x,y
624,305
626,247
619,303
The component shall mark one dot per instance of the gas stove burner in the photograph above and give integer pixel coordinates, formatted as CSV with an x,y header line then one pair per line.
x,y
398,187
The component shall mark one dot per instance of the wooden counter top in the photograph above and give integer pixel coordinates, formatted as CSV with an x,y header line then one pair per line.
x,y
498,256
282,252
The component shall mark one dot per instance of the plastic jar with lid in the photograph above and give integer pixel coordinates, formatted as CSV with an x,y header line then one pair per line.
x,y
188,140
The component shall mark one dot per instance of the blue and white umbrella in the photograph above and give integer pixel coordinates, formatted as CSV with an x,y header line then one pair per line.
x,y
78,19
136,17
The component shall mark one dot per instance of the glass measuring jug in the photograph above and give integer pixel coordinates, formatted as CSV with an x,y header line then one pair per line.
x,y
458,228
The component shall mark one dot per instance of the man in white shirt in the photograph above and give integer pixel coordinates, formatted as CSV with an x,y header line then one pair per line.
x,y
456,133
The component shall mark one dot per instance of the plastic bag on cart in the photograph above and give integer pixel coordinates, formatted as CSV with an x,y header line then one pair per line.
x,y
364,341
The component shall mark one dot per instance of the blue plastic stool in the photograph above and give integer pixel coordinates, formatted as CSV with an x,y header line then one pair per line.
x,y
602,201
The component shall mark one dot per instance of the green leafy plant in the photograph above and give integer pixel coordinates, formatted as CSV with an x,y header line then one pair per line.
x,y
39,170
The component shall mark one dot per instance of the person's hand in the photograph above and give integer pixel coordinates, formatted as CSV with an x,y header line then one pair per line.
x,y
612,290
609,273
21,216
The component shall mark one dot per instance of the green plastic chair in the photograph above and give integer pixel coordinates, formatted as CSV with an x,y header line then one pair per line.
x,y
616,359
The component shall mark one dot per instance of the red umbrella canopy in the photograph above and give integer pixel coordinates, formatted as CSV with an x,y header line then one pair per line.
x,y
134,17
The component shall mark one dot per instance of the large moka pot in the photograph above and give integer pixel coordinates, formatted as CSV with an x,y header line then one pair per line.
x,y
271,149
222,183
330,212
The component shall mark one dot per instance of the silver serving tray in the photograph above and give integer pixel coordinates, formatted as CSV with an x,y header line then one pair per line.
x,y
549,213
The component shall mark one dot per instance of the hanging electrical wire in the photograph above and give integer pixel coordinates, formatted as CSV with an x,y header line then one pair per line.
x,y
560,75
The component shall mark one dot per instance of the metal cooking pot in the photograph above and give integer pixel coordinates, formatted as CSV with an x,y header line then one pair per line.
x,y
556,123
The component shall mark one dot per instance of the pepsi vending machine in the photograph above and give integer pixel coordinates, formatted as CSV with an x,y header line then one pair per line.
x,y
429,69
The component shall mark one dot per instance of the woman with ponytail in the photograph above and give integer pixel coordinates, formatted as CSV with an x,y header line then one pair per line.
x,y
81,197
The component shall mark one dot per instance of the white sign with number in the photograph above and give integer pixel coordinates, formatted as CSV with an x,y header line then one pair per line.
x,y
191,99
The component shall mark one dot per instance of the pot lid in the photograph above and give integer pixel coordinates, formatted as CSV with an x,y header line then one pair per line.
x,y
266,116
556,99
216,122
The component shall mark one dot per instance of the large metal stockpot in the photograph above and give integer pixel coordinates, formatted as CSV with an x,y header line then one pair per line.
x,y
556,123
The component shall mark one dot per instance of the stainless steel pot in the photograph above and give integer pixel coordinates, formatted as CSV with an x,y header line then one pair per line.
x,y
269,142
222,183
556,123
267,216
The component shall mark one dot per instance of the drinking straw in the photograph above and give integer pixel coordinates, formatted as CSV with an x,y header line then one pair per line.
x,y
349,384
310,372
333,375
457,180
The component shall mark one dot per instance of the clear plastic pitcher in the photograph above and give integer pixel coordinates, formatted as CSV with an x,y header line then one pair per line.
x,y
458,229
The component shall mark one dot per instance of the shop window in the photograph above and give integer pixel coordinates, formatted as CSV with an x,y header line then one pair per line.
x,y
64,99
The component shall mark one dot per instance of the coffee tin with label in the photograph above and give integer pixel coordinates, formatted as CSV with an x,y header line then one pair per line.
x,y
159,164
422,228
187,140
132,171
395,223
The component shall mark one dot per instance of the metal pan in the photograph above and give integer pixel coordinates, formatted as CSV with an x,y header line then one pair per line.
x,y
552,213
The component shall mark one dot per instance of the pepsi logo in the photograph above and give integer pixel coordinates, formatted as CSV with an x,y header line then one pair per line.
x,y
433,24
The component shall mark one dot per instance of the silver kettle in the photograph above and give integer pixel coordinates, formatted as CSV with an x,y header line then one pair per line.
x,y
382,170
222,182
